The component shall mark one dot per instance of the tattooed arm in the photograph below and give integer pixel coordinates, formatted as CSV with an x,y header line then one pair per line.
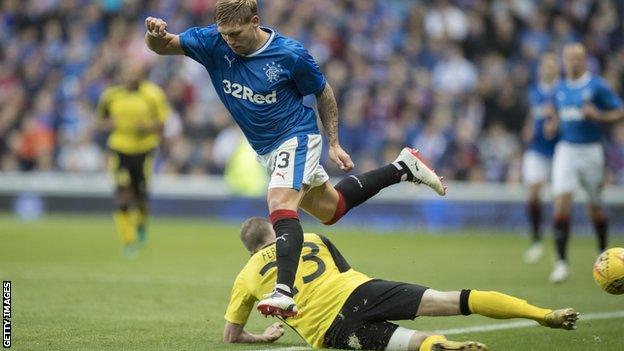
x,y
328,112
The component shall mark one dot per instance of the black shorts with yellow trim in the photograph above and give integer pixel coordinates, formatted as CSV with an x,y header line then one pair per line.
x,y
132,170
363,320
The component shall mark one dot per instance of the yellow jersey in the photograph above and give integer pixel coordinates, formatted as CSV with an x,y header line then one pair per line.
x,y
129,109
323,283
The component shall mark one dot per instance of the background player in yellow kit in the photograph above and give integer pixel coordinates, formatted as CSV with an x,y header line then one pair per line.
x,y
345,309
134,112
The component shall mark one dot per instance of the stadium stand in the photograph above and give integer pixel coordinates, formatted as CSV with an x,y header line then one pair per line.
x,y
448,77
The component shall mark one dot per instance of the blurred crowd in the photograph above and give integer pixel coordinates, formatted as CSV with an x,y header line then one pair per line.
x,y
447,77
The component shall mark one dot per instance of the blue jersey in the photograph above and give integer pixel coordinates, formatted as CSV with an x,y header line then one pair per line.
x,y
570,98
540,101
263,91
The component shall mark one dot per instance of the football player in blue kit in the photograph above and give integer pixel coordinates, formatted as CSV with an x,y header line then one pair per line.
x,y
261,77
537,160
583,103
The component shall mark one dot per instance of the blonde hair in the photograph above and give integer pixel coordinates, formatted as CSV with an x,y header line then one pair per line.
x,y
235,11
256,232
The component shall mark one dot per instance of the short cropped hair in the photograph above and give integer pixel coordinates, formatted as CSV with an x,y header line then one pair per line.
x,y
255,233
235,11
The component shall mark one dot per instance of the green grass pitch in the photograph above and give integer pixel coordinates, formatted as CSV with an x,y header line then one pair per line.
x,y
72,289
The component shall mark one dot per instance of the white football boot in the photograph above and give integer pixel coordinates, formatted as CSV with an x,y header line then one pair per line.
x,y
560,272
418,172
534,253
277,304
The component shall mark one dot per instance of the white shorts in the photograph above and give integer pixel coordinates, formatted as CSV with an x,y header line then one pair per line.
x,y
579,165
535,167
295,162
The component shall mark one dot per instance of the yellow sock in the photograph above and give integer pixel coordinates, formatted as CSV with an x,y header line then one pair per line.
x,y
427,344
125,226
500,306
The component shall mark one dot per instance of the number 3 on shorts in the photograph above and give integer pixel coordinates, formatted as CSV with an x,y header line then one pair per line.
x,y
295,163
283,159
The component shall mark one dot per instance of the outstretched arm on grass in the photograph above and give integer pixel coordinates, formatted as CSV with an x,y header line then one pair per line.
x,y
235,333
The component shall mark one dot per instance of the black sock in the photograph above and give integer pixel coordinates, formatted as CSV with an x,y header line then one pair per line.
x,y
534,212
562,232
143,212
356,189
601,226
464,307
289,240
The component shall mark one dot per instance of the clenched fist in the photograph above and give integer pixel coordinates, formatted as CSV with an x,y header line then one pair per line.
x,y
156,27
274,332
340,157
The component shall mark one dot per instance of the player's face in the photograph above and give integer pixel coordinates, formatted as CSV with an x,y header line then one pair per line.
x,y
132,74
548,68
574,60
240,37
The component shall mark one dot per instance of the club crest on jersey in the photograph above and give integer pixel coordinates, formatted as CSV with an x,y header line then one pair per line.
x,y
272,71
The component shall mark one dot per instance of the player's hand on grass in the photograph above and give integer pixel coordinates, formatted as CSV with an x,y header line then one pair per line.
x,y
340,157
274,332
156,27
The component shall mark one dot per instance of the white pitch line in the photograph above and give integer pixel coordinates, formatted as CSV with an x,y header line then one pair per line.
x,y
489,327
526,324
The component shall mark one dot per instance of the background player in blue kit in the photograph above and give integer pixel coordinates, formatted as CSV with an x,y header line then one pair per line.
x,y
582,101
261,77
536,164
